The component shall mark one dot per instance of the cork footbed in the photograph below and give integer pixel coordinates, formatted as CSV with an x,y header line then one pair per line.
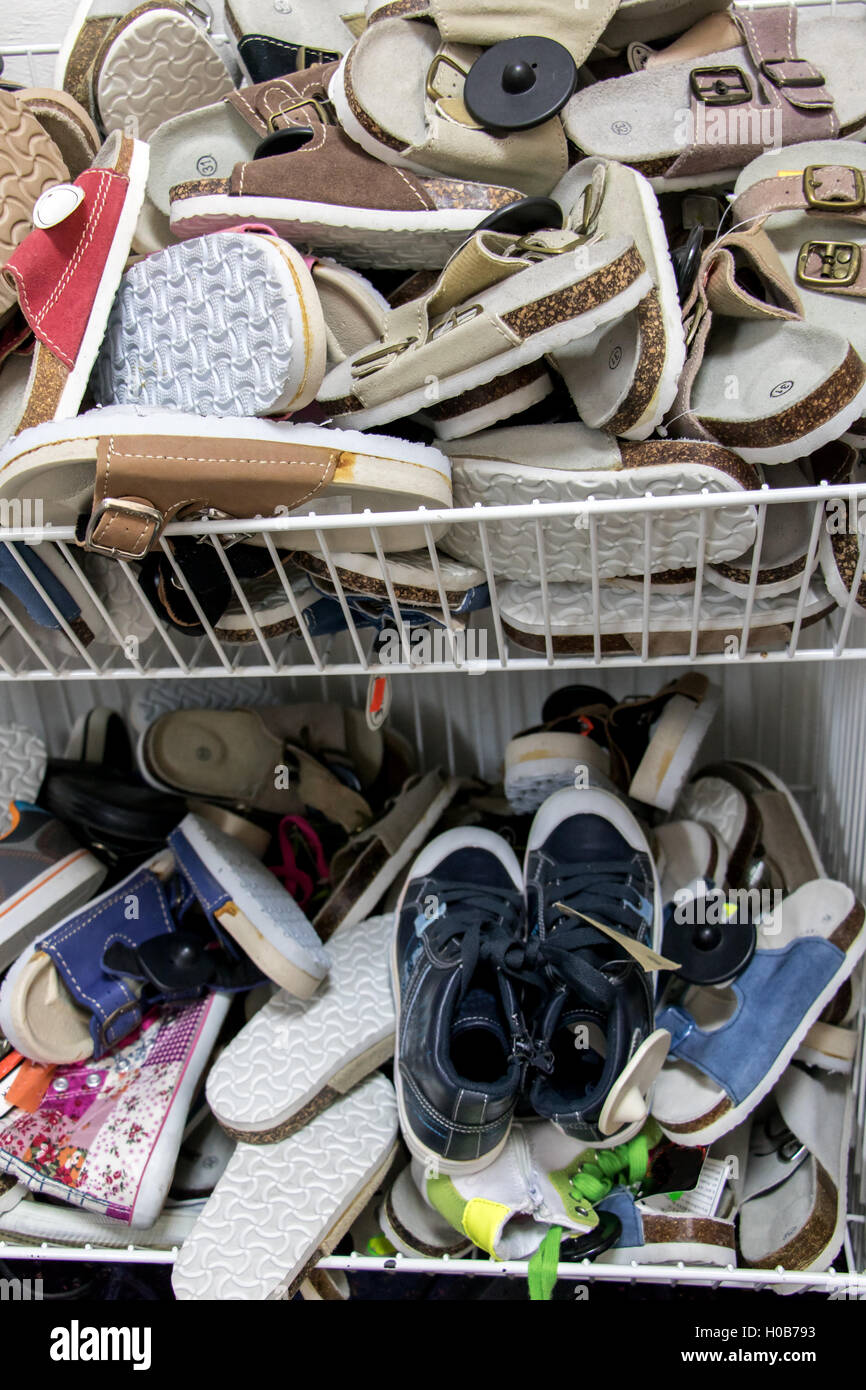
x,y
688,1103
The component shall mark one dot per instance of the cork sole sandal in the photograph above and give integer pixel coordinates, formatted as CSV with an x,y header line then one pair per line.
x,y
412,577
571,463
238,465
624,378
483,407
620,616
808,200
279,1208
639,119
794,1207
413,1227
228,324
400,101
155,63
722,1062
292,1060
787,528
688,851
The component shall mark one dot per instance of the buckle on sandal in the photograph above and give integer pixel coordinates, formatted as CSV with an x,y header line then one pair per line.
x,y
809,79
374,361
320,108
834,204
722,86
441,60
840,264
140,511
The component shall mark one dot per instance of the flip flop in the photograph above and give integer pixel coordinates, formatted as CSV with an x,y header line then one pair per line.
x,y
292,1060
277,1209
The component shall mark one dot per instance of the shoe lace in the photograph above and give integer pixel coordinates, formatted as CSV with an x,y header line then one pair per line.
x,y
467,924
602,1170
608,892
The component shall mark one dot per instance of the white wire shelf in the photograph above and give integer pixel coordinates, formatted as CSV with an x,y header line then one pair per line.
x,y
485,641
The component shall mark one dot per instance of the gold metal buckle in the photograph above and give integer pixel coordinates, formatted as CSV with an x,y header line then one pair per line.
x,y
840,264
320,108
833,204
374,361
723,92
438,61
140,511
533,248
455,317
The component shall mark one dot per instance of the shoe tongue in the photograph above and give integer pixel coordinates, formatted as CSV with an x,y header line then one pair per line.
x,y
479,1009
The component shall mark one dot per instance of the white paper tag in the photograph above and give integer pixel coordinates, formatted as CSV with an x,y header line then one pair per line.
x,y
702,1200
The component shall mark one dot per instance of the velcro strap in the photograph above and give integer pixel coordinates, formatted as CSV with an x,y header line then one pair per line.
x,y
145,481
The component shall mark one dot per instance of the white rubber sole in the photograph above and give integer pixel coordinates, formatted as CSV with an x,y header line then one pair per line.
x,y
536,765
76,383
669,301
673,748
228,324
159,66
620,535
459,425
293,957
358,236
733,1117
46,900
279,1207
531,350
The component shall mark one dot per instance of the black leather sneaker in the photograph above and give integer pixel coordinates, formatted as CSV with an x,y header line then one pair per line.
x,y
598,1053
461,1042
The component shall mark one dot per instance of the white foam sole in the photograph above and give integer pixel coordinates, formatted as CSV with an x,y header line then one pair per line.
x,y
45,901
43,1221
358,236
228,324
673,748
668,1253
620,535
276,934
810,442
289,1051
278,1207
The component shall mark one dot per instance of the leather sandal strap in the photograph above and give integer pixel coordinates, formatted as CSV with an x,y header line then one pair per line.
x,y
145,481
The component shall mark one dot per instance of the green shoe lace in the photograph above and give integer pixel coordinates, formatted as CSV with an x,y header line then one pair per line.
x,y
603,1169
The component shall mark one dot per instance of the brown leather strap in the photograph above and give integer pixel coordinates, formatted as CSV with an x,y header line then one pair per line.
x,y
778,84
145,481
284,101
